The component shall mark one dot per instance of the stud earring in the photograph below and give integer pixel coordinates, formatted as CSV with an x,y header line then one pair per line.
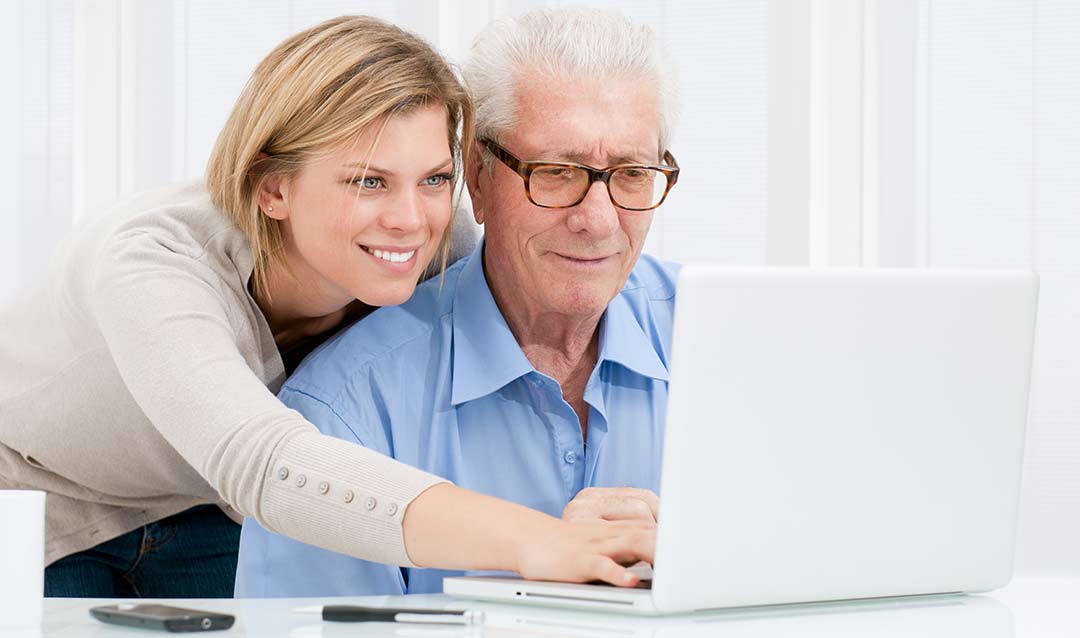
x,y
269,209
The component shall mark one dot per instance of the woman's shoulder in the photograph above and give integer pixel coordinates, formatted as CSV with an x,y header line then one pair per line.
x,y
171,235
176,225
179,217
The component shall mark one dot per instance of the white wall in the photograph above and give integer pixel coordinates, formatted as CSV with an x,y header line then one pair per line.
x,y
847,132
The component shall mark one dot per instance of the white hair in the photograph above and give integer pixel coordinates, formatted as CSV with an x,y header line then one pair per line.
x,y
572,43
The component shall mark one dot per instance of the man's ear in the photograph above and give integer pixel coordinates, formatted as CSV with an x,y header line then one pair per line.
x,y
271,193
472,181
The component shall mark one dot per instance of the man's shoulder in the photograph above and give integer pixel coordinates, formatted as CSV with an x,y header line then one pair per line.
x,y
380,338
655,278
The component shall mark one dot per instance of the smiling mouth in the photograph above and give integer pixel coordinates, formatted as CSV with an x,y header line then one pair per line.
x,y
583,260
393,257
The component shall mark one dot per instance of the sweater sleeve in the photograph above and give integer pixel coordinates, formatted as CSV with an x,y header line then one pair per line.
x,y
165,320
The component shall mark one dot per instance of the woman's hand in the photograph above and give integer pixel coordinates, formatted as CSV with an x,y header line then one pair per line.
x,y
613,504
586,550
448,527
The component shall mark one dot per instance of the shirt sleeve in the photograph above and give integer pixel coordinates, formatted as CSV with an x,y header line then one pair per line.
x,y
164,318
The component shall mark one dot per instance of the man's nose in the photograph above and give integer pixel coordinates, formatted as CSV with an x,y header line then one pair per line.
x,y
405,213
596,214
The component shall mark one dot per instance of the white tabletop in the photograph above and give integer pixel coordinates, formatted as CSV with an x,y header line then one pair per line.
x,y
1027,608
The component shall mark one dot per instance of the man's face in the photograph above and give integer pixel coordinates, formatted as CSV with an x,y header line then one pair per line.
x,y
569,261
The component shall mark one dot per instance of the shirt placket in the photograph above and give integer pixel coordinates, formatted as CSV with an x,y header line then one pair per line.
x,y
568,445
598,427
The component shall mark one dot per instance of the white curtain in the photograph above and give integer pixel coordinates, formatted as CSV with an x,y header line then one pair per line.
x,y
36,157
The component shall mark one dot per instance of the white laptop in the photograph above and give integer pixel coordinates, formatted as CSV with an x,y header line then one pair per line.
x,y
831,435
912,617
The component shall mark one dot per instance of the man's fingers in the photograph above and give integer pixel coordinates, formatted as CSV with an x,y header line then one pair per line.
x,y
648,497
612,507
652,500
618,509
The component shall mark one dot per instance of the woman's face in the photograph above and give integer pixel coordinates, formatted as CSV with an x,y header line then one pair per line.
x,y
352,233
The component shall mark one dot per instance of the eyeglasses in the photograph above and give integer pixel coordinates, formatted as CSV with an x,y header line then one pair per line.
x,y
565,184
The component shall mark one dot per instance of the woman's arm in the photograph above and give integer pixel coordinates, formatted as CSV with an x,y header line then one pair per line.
x,y
454,528
171,329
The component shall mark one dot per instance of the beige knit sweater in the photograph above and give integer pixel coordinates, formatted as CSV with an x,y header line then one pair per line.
x,y
138,380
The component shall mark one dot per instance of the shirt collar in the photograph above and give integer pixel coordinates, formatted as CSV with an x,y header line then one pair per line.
x,y
486,354
624,341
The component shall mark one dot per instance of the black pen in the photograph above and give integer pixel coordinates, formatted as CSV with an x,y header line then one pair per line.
x,y
354,613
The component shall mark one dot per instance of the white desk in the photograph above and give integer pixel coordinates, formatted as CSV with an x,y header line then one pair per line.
x,y
1027,608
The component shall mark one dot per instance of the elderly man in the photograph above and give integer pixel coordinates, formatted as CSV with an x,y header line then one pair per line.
x,y
536,369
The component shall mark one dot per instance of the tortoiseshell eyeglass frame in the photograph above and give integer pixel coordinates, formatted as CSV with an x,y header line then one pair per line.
x,y
525,169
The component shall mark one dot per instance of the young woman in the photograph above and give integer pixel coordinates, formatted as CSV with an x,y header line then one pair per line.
x,y
137,383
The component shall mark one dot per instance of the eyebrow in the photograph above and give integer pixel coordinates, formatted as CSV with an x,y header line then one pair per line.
x,y
372,168
582,157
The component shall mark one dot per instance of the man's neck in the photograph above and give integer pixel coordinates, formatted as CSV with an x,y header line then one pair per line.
x,y
561,346
571,369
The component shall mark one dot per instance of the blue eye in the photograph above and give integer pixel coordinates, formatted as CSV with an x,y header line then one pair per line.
x,y
437,180
368,183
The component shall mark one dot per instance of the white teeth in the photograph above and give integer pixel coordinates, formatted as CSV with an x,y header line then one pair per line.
x,y
386,255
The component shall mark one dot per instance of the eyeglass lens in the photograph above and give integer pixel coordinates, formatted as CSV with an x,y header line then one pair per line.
x,y
632,187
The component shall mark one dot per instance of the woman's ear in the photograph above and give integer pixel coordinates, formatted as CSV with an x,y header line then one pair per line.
x,y
270,193
472,181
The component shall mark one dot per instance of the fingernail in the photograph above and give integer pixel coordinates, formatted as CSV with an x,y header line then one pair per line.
x,y
628,577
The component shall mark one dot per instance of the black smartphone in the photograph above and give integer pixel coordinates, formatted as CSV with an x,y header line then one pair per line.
x,y
162,617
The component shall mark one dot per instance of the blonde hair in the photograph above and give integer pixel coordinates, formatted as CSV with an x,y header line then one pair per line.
x,y
317,90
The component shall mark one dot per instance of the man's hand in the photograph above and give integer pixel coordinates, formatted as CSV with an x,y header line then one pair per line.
x,y
613,504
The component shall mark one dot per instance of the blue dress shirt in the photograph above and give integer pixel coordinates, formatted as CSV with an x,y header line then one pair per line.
x,y
440,383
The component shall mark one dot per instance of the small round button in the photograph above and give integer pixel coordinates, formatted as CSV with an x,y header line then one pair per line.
x,y
324,487
391,509
301,481
370,503
348,496
283,473
570,457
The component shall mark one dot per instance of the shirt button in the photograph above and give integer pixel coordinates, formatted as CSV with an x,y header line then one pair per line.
x,y
283,473
301,481
391,509
348,496
324,487
570,457
370,503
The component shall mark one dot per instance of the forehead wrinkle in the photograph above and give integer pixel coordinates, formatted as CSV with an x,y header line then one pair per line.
x,y
576,127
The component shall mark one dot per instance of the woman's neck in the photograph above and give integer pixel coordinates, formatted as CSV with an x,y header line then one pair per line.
x,y
296,308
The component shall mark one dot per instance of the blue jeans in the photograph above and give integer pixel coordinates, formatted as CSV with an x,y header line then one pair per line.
x,y
189,555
